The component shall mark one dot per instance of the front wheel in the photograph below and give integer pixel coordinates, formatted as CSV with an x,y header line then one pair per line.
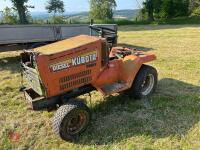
x,y
71,120
145,82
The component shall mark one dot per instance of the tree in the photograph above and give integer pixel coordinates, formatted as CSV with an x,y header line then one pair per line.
x,y
175,8
22,9
168,9
194,7
165,8
55,6
58,20
102,9
194,4
148,6
9,16
196,12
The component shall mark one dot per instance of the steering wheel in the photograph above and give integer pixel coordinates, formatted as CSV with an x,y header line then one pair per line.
x,y
109,34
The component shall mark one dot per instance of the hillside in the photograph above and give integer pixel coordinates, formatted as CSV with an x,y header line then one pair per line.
x,y
126,14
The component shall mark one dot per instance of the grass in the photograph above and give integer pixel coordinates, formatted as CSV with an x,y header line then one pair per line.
x,y
173,21
180,20
170,119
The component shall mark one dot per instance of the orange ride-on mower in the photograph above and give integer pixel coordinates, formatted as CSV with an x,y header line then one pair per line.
x,y
58,73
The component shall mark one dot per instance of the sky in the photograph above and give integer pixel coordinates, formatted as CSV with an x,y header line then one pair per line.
x,y
73,5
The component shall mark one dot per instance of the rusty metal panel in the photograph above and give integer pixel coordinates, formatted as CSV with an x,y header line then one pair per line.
x,y
69,64
32,78
67,44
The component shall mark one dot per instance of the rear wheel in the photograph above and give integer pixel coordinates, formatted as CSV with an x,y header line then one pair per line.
x,y
145,82
71,120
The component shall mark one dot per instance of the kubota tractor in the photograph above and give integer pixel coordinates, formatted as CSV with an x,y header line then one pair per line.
x,y
58,73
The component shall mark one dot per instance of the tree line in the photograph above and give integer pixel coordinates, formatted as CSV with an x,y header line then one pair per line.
x,y
156,9
103,9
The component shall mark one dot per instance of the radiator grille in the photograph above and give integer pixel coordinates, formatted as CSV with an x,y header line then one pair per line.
x,y
75,79
75,76
75,83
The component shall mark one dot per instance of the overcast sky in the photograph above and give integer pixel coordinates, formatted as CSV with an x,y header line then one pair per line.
x,y
74,5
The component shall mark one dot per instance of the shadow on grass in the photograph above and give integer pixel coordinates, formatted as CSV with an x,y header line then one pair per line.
x,y
12,47
140,48
119,118
172,88
10,63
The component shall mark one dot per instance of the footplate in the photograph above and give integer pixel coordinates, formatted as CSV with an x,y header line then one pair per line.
x,y
33,99
37,102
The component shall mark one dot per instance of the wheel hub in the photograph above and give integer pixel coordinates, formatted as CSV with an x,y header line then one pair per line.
x,y
76,123
148,84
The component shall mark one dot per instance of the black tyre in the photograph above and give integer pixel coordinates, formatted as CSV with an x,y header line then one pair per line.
x,y
71,120
145,82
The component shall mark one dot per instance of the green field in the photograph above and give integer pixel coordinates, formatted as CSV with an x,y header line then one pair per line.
x,y
170,119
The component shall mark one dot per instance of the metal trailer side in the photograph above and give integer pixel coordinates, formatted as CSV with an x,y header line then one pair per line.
x,y
68,31
23,34
10,34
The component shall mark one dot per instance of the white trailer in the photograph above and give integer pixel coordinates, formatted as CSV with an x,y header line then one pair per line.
x,y
26,34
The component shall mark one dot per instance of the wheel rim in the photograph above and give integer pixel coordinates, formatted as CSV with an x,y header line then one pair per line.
x,y
148,85
77,122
